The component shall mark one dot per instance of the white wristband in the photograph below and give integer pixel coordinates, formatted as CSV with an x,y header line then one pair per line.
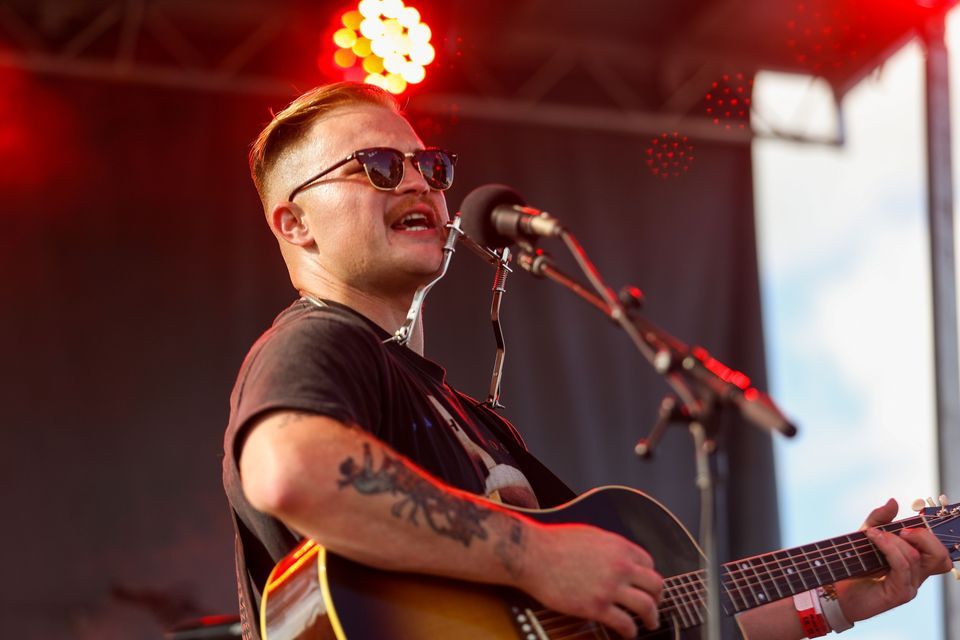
x,y
830,605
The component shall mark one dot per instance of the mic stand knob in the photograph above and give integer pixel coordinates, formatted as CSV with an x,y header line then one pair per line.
x,y
670,411
631,298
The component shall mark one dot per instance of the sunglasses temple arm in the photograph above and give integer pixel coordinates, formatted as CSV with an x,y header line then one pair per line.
x,y
403,334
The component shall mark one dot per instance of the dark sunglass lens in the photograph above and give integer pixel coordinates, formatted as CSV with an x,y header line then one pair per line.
x,y
384,167
436,167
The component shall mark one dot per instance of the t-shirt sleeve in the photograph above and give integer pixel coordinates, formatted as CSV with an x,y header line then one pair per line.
x,y
322,363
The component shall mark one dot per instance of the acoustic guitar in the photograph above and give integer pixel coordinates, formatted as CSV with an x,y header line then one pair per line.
x,y
314,594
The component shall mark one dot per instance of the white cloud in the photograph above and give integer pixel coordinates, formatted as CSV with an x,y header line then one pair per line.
x,y
845,230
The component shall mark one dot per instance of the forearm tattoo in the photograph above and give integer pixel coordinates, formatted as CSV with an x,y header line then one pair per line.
x,y
447,515
510,550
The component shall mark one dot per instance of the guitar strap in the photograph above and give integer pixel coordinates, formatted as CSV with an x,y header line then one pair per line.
x,y
248,592
550,490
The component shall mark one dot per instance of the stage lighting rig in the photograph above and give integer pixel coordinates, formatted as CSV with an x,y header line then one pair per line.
x,y
384,43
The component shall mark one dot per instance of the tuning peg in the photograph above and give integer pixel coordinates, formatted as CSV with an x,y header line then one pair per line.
x,y
943,501
917,505
931,503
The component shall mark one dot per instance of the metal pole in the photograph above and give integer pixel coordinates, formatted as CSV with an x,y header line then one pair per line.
x,y
940,212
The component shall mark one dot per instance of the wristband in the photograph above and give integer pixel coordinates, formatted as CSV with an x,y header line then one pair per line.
x,y
830,605
811,615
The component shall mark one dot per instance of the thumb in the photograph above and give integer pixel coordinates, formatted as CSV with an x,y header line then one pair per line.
x,y
882,515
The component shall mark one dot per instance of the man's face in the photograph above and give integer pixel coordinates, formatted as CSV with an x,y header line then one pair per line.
x,y
361,239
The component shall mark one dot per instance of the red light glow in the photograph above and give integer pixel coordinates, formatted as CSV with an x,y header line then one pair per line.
x,y
670,155
37,137
825,35
721,370
384,43
728,101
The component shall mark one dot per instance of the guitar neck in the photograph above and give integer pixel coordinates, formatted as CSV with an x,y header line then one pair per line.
x,y
759,580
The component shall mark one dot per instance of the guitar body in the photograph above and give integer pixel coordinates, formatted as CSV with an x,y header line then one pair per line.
x,y
313,594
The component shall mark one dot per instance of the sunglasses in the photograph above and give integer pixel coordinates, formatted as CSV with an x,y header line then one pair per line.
x,y
385,166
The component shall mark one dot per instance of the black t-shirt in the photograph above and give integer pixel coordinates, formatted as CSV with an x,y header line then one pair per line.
x,y
328,360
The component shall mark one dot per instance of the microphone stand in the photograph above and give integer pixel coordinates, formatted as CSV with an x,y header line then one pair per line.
x,y
698,382
403,334
502,263
499,288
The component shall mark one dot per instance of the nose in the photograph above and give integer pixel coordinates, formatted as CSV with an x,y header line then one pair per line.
x,y
413,181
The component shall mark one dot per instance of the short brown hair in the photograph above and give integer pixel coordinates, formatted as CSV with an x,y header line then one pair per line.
x,y
290,124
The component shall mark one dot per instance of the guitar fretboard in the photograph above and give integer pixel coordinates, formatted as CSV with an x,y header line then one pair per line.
x,y
762,579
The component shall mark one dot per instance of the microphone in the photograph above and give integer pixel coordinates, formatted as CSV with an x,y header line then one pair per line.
x,y
495,215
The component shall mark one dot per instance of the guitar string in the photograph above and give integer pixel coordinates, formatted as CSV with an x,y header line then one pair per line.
x,y
836,554
596,627
567,627
826,553
780,574
765,576
678,594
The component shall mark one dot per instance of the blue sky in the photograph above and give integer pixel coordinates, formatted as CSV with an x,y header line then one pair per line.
x,y
846,293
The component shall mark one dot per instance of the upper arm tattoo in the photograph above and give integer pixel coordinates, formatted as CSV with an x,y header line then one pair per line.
x,y
288,417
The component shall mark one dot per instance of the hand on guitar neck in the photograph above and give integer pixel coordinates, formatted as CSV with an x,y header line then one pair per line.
x,y
911,555
914,554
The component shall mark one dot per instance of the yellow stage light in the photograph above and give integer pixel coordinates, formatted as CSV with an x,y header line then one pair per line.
x,y
392,28
394,63
377,80
369,8
362,47
419,32
387,41
373,64
391,8
396,84
408,17
344,58
422,53
345,38
372,28
352,20
380,47
413,73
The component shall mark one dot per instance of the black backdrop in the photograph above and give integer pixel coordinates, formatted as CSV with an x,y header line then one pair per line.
x,y
136,270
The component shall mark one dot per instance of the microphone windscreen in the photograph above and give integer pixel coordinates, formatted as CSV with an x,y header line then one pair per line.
x,y
476,213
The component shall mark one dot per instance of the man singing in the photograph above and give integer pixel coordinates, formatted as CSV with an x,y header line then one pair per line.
x,y
342,436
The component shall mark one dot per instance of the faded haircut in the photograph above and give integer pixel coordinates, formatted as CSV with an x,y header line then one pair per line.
x,y
289,125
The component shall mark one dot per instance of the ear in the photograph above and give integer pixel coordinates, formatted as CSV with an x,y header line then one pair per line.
x,y
287,220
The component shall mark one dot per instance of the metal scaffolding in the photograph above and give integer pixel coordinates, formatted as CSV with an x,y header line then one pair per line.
x,y
156,43
943,278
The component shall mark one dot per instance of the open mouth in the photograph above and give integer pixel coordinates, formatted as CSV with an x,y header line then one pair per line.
x,y
413,222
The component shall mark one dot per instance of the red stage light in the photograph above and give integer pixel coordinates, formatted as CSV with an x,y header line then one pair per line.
x,y
384,43
37,134
728,100
826,35
670,155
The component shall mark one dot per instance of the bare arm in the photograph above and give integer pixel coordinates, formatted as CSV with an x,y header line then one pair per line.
x,y
353,494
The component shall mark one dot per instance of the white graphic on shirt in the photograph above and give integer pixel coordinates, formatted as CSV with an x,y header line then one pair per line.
x,y
504,483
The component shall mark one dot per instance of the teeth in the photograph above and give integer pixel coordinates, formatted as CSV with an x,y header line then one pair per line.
x,y
413,222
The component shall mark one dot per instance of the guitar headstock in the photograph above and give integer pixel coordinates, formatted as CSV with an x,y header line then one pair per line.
x,y
943,519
